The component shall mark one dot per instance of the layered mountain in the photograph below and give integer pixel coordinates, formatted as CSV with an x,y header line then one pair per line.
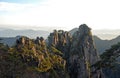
x,y
64,56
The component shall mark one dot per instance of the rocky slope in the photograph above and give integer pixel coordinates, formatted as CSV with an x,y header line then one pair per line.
x,y
31,59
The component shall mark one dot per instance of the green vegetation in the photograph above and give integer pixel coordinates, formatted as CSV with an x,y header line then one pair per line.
x,y
28,58
55,51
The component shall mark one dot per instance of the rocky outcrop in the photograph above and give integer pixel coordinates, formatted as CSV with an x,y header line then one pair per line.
x,y
43,61
40,41
59,37
79,52
61,40
22,41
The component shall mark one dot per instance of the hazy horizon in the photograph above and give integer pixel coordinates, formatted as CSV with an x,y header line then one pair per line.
x,y
47,28
12,31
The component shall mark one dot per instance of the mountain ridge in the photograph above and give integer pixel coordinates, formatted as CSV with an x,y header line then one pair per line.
x,y
65,55
103,45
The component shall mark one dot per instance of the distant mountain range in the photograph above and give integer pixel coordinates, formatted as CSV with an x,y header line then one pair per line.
x,y
8,32
28,33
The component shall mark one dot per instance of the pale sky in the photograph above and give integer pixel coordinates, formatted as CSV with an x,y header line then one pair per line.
x,y
66,14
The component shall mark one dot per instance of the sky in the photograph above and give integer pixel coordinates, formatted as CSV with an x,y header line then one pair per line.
x,y
64,14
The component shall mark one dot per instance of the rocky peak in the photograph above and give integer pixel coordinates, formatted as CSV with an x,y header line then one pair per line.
x,y
40,41
83,35
82,54
59,39
23,41
84,29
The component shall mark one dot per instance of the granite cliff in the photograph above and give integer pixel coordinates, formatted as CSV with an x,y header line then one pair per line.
x,y
79,52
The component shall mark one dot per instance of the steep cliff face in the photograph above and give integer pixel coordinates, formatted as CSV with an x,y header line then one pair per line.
x,y
82,54
79,52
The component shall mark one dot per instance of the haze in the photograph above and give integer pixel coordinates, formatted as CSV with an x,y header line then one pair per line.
x,y
66,14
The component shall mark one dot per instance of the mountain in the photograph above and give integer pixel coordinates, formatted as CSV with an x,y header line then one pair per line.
x,y
28,33
102,45
79,51
64,56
